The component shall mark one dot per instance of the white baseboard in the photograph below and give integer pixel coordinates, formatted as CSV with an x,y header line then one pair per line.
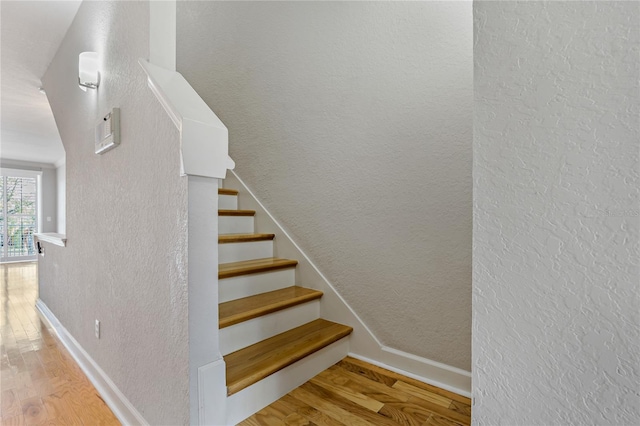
x,y
115,400
364,344
423,369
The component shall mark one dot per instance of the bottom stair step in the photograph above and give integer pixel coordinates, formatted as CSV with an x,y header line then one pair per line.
x,y
253,363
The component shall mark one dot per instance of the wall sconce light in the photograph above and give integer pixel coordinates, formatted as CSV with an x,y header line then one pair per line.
x,y
88,74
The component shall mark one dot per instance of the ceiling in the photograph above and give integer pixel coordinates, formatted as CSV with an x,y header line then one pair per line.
x,y
31,34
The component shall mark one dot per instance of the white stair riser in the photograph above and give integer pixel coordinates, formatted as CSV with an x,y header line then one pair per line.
x,y
252,284
247,333
257,396
235,224
228,202
235,252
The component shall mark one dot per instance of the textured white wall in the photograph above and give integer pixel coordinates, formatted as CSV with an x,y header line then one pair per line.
x,y
556,213
125,261
351,122
61,200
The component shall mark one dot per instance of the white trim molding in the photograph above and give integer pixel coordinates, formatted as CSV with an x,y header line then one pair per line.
x,y
52,237
61,162
117,402
205,373
364,344
212,393
423,369
9,171
204,139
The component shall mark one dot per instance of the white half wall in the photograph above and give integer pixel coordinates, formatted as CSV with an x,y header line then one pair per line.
x,y
556,296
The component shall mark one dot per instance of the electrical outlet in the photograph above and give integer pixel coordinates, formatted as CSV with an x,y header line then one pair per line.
x,y
97,328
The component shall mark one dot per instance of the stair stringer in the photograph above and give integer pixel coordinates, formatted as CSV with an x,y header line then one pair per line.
x,y
363,343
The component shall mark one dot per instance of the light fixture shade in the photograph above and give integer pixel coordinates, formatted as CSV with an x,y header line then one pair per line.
x,y
88,74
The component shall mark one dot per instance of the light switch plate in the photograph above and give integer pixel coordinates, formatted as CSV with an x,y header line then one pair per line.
x,y
108,132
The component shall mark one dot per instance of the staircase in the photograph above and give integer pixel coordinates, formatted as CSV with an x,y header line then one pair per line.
x,y
271,334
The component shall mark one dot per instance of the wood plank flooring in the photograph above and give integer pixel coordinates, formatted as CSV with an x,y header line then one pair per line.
x,y
40,383
354,392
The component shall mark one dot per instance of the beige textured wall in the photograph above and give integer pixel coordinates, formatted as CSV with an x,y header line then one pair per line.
x,y
351,121
126,217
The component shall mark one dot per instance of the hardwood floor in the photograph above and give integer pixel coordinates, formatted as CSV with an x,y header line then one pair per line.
x,y
353,392
40,383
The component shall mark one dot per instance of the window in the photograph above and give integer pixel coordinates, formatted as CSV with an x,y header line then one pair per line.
x,y
18,218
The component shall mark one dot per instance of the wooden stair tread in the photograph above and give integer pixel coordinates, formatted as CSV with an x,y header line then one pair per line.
x,y
236,212
243,238
245,267
227,191
239,310
253,363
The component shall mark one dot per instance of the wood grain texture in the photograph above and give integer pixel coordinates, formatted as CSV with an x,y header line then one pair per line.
x,y
243,238
461,408
227,191
368,415
247,308
41,383
422,393
353,392
245,267
255,362
236,213
310,413
347,393
331,410
373,370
